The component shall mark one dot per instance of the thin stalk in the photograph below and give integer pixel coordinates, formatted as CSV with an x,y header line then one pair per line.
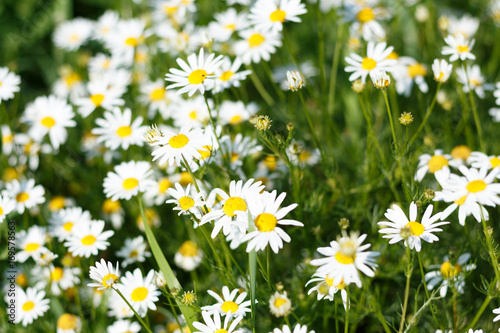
x,y
476,120
389,113
311,127
325,322
333,73
132,308
172,306
425,287
268,264
427,114
346,327
407,289
491,248
479,313
260,87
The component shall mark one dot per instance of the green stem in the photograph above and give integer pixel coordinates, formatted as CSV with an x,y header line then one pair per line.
x,y
132,308
427,114
491,248
419,254
479,313
346,327
389,113
476,120
407,289
333,73
260,87
311,127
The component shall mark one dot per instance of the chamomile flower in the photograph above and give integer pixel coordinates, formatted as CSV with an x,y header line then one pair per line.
x,y
267,215
465,25
88,238
188,201
234,203
117,129
30,243
49,116
133,250
458,48
479,160
326,290
113,211
437,164
215,324
411,71
158,98
125,37
461,155
236,149
442,70
62,222
235,113
189,256
140,291
7,205
345,258
26,194
61,278
127,180
226,23
68,323
256,45
270,15
69,85
297,329
9,84
192,112
32,304
72,34
100,95
376,60
472,78
124,326
399,227
450,273
7,139
105,24
195,74
279,304
229,304
104,274
228,75
366,21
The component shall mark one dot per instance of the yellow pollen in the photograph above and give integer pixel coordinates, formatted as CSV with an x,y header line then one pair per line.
x,y
193,114
197,76
56,203
67,322
236,119
185,178
22,280
462,48
221,330
476,186
365,15
31,247
1,211
255,40
226,76
109,206
178,141
74,38
107,278
131,41
279,302
205,153
157,94
28,306
188,249
343,259
416,70
130,183
186,203
461,201
393,55
278,16
436,163
304,155
124,131
416,228
234,204
97,99
133,254
229,306
368,64
449,272
234,157
265,222
341,285
329,281
71,79
231,27
68,226
461,152
271,162
139,294
57,274
22,197
88,240
495,161
163,185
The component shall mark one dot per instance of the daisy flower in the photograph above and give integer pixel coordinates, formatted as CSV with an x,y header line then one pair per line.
x,y
480,160
297,329
49,115
140,291
30,243
466,26
100,95
62,222
192,112
345,258
326,290
195,75
279,304
270,15
32,304
7,138
266,214
124,326
226,23
127,180
117,129
68,323
88,238
72,34
235,113
437,164
134,250
376,60
105,24
158,98
104,274
215,324
113,211
449,273
189,256
125,37
412,232
69,85
472,78
9,84
236,150
458,48
26,194
227,75
172,148
229,304
442,70
300,154
7,205
256,45
366,21
461,154
233,204
187,201
61,278
411,71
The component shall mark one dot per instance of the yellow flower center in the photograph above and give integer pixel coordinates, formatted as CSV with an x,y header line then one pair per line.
x,y
436,163
449,272
185,178
188,249
31,247
341,285
221,330
233,204
163,185
205,153
461,152
178,141
22,280
1,211
277,16
197,76
495,161
68,226
186,203
57,274
71,79
416,228
476,186
416,70
88,240
97,99
265,222
56,203
461,201
229,306
108,277
157,94
67,322
109,206
193,114
234,157
28,306
236,119
139,294
132,41
22,197
329,281
343,259
231,27
226,76
393,55
279,302
133,254
368,64
255,40
130,183
124,131
462,48
365,15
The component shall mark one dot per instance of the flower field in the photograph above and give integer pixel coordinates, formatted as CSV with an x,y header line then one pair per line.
x,y
236,166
